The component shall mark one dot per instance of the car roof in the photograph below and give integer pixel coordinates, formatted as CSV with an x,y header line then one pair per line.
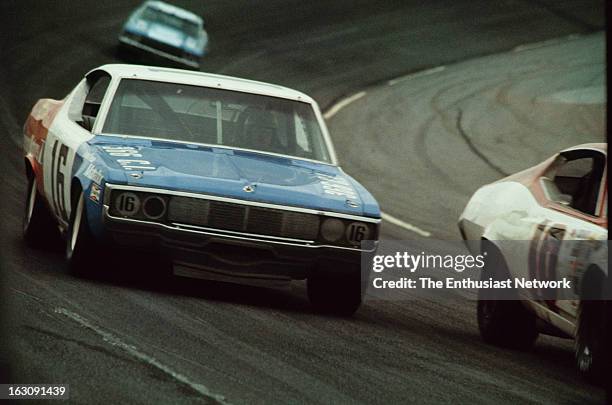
x,y
601,147
171,9
203,79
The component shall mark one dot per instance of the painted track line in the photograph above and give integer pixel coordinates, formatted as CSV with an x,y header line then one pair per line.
x,y
134,352
409,227
343,103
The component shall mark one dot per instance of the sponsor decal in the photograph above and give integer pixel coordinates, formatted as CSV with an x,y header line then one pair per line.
x,y
93,174
335,185
135,164
122,151
94,194
128,152
352,203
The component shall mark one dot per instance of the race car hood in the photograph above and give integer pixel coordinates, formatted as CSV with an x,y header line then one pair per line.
x,y
232,173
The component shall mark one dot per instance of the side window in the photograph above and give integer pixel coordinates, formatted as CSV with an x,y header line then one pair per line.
x,y
94,100
577,180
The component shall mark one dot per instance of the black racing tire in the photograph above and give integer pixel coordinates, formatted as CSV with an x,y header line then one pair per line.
x,y
80,253
589,344
335,294
38,225
503,322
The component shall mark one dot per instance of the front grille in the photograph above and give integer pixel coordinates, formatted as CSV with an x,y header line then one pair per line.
x,y
296,224
193,211
243,218
226,216
265,221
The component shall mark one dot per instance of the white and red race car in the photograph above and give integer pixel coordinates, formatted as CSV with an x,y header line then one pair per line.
x,y
562,203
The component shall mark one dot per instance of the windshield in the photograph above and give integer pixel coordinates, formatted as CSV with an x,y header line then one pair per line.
x,y
153,15
217,117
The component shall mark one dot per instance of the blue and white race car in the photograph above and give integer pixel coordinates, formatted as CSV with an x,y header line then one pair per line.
x,y
167,31
226,178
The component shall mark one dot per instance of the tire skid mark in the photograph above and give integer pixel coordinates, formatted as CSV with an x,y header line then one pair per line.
x,y
474,149
443,113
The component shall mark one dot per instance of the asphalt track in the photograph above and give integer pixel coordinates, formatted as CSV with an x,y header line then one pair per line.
x,y
463,125
420,144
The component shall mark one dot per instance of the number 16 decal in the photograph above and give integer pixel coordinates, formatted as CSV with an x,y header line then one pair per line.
x,y
58,161
357,232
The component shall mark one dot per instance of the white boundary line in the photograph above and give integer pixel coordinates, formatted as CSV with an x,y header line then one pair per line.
x,y
134,352
343,103
409,227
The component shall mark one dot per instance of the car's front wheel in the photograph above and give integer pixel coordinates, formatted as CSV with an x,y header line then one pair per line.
x,y
79,243
37,222
335,294
589,343
503,322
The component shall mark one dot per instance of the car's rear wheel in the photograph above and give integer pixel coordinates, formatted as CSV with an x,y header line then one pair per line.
x,y
79,241
335,294
37,221
590,344
503,322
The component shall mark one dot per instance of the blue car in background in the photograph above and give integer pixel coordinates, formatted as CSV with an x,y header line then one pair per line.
x,y
225,178
167,31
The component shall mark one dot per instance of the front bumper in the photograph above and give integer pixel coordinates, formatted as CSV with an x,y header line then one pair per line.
x,y
222,254
135,44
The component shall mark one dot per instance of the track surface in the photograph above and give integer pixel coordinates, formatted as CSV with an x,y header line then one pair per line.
x,y
464,125
140,339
